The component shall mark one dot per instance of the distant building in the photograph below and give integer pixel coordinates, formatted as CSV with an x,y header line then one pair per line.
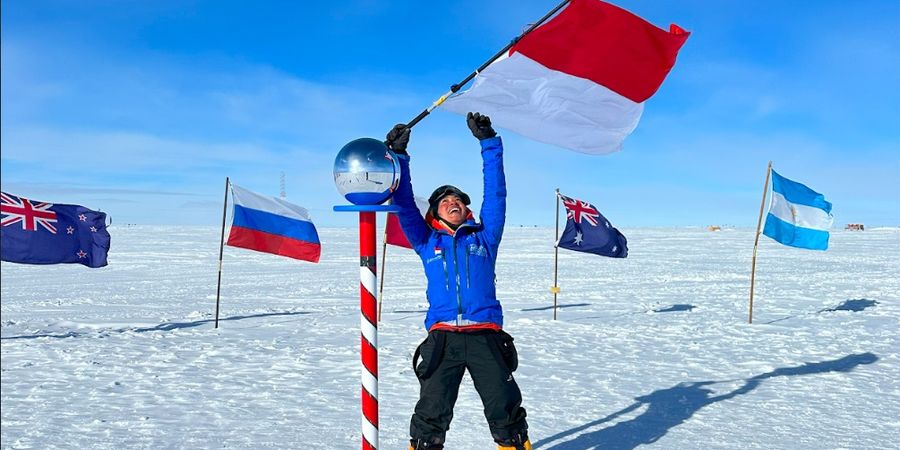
x,y
855,227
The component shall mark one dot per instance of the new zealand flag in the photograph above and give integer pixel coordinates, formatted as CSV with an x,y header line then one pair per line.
x,y
588,231
35,232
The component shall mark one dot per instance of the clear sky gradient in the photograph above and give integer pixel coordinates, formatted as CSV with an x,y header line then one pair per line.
x,y
142,108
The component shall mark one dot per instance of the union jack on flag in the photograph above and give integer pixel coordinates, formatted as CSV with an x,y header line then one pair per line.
x,y
34,232
583,235
20,209
578,210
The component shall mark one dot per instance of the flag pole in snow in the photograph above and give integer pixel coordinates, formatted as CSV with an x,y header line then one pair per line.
x,y
456,87
221,250
381,277
555,288
756,242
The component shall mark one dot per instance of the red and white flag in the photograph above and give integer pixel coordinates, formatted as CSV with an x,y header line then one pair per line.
x,y
393,233
579,81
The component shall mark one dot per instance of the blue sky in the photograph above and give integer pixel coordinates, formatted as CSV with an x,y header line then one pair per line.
x,y
142,108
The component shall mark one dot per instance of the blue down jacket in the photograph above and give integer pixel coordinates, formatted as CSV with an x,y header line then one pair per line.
x,y
460,266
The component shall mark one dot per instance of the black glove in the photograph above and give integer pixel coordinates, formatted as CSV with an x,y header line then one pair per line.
x,y
480,126
398,138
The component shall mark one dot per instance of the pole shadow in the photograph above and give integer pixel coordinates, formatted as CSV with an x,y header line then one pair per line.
x,y
46,335
545,308
675,308
168,326
668,408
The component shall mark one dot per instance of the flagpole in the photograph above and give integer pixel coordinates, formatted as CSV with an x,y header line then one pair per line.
x,y
555,288
221,250
756,242
381,277
457,86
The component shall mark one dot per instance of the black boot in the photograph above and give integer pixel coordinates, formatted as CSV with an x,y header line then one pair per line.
x,y
419,444
518,442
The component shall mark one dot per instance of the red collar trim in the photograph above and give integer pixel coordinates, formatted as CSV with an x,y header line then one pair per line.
x,y
439,225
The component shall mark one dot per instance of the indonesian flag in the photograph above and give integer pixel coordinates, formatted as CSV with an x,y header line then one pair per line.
x,y
579,81
393,233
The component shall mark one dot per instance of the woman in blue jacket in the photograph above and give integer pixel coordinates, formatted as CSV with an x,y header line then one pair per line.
x,y
464,319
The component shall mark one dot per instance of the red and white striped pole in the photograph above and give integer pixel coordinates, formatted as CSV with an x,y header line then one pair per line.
x,y
368,329
364,164
368,318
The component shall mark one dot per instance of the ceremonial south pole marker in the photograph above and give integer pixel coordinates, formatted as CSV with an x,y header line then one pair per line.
x,y
366,173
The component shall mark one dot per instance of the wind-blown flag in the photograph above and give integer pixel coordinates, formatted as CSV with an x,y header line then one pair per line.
x,y
393,232
272,225
588,231
798,216
35,232
578,81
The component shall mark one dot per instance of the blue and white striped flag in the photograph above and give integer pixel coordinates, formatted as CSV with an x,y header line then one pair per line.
x,y
798,216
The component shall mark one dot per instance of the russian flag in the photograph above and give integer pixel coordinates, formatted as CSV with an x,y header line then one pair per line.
x,y
798,216
579,81
272,225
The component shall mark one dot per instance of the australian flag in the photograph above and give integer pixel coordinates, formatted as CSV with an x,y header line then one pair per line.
x,y
588,231
35,232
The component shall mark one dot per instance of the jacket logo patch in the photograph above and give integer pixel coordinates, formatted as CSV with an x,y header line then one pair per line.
x,y
438,255
477,250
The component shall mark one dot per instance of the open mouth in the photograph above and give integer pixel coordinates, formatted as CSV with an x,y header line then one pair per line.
x,y
455,210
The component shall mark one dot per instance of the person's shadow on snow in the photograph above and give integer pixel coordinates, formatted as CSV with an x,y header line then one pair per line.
x,y
668,408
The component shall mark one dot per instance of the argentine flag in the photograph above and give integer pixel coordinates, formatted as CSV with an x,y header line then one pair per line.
x,y
798,216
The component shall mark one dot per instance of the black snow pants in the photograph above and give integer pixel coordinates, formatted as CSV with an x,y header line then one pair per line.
x,y
491,358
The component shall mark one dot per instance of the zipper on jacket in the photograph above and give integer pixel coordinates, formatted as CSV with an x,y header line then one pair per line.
x,y
446,276
459,308
468,285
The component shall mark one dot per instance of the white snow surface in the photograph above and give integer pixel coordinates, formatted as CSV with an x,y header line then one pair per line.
x,y
650,351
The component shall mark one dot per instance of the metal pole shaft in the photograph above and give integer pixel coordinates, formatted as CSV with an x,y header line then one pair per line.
x,y
472,75
221,250
368,329
381,278
756,242
556,257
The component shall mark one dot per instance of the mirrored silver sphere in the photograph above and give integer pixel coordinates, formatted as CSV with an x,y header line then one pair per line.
x,y
366,172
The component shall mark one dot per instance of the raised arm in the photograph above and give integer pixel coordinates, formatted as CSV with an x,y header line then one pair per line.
x,y
493,208
411,219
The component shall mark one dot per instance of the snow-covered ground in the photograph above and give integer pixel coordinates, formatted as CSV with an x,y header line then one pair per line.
x,y
653,350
